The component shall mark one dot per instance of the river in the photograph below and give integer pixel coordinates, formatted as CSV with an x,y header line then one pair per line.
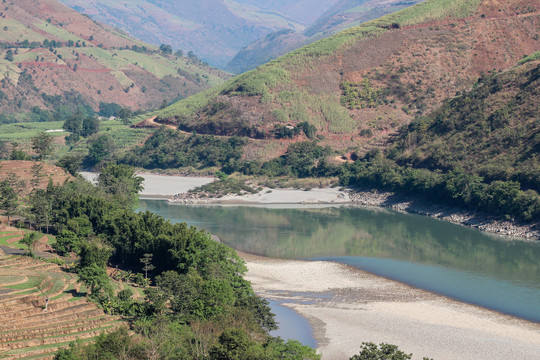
x,y
458,262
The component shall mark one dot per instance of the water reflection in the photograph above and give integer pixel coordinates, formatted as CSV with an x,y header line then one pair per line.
x,y
335,233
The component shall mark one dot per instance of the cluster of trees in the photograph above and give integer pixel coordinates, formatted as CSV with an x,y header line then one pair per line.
x,y
200,305
504,198
482,132
478,151
42,144
167,148
162,340
65,106
370,351
79,125
26,44
302,159
32,207
116,110
289,131
170,149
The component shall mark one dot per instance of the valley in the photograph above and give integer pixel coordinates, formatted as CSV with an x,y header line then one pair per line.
x,y
155,207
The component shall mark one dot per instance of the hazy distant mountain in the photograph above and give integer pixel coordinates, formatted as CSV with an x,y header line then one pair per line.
x,y
215,30
343,14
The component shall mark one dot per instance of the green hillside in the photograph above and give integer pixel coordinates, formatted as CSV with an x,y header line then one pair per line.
x,y
492,131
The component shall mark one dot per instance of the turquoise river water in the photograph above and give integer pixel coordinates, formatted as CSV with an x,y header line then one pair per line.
x,y
458,262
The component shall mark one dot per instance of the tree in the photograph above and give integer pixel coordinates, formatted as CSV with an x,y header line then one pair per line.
x,y
73,123
15,182
41,207
95,278
101,149
234,344
42,145
166,49
9,55
146,260
8,199
71,163
277,348
94,252
4,150
37,173
66,241
370,351
90,126
121,182
108,109
30,240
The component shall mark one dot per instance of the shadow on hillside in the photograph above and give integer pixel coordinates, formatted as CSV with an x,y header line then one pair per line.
x,y
75,293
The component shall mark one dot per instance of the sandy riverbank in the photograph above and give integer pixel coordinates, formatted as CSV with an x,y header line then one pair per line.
x,y
347,306
174,189
162,186
271,196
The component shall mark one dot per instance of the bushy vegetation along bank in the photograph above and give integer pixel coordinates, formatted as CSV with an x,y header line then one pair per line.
x,y
199,306
199,282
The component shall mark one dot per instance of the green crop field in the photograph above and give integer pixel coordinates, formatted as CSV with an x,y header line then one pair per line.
x,y
123,136
33,281
57,31
20,131
18,32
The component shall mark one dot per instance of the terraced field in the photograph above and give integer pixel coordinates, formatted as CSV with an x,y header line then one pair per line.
x,y
32,329
11,237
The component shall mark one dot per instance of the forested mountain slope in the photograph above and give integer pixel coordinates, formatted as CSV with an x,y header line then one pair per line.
x,y
214,29
342,15
479,150
359,86
493,131
51,54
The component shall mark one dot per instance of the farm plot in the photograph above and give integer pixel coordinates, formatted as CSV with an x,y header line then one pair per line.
x,y
31,326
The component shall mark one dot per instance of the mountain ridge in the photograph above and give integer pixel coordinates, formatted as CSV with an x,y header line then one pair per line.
x,y
342,15
412,60
214,29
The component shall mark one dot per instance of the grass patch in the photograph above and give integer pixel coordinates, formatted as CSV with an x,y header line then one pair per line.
x,y
20,131
57,31
532,57
123,136
51,239
43,347
63,293
4,241
428,11
308,183
224,187
18,32
57,286
8,279
33,282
